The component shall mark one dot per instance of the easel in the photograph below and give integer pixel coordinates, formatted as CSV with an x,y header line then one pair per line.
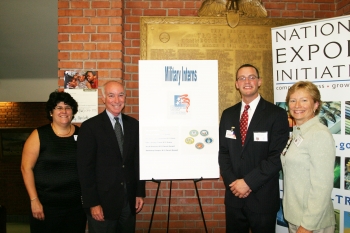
x,y
155,202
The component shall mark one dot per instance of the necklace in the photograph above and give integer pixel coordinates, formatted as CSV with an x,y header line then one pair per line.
x,y
60,134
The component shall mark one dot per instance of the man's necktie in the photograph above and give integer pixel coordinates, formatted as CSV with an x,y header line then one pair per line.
x,y
119,133
244,123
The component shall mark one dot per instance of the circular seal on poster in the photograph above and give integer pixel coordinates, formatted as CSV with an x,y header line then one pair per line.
x,y
208,140
199,145
189,140
204,132
194,133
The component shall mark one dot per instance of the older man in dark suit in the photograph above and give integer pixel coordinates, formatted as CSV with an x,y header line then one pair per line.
x,y
252,135
108,166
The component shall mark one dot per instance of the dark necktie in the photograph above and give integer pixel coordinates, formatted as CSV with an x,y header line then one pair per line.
x,y
119,133
244,123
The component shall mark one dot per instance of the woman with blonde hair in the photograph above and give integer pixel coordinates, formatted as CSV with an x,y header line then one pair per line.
x,y
308,164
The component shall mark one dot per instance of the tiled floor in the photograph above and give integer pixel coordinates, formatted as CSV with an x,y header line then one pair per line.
x,y
17,228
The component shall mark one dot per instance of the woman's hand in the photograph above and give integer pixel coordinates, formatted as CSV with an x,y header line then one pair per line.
x,y
37,209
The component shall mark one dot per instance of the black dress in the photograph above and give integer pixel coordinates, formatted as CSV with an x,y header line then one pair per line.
x,y
57,184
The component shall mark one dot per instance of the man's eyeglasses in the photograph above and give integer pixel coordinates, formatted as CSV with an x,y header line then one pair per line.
x,y
250,77
66,108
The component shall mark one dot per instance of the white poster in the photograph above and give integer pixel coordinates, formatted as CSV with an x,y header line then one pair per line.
x,y
319,52
179,119
87,103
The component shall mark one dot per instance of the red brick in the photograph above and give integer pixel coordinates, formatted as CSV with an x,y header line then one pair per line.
x,y
109,46
89,13
273,5
80,4
100,37
70,13
116,55
313,7
173,12
89,46
324,15
175,4
70,65
116,20
80,37
90,29
63,37
63,56
188,12
137,4
116,37
79,55
70,46
154,12
156,4
67,29
112,29
63,21
117,4
80,21
112,13
63,4
100,21
104,4
109,65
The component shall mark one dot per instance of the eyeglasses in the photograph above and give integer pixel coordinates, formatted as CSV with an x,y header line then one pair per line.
x,y
250,77
66,108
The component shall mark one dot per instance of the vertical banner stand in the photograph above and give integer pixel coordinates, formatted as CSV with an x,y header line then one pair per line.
x,y
171,184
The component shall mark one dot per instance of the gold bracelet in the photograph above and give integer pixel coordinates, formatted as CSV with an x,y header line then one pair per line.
x,y
33,198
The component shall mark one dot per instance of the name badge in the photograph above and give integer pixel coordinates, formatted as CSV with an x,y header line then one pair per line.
x,y
260,137
297,141
230,134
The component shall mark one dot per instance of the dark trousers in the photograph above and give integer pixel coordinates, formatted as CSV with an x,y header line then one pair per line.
x,y
72,220
240,220
125,223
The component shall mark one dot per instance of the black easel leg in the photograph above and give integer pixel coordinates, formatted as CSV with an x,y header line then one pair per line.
x,y
200,205
171,185
154,205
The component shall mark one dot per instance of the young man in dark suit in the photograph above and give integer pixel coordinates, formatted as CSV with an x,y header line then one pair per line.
x,y
251,142
108,166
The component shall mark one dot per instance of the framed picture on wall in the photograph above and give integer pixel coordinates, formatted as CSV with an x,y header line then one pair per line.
x,y
12,141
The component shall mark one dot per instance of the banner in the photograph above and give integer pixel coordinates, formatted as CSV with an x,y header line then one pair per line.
x,y
319,52
178,119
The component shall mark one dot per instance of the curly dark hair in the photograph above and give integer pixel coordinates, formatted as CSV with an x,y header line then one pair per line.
x,y
57,97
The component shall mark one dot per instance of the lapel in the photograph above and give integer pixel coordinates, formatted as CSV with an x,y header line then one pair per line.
x,y
126,129
236,123
257,117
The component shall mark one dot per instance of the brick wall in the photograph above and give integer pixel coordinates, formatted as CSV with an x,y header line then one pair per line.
x,y
13,194
104,36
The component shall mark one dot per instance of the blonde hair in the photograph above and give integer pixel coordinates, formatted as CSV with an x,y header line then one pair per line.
x,y
310,88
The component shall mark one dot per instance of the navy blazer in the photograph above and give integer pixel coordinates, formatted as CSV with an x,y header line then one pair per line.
x,y
102,170
257,162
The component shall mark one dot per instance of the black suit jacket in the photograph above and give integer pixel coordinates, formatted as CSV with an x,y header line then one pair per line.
x,y
103,172
257,162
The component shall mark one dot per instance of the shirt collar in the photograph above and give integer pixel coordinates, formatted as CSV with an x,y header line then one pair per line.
x,y
252,105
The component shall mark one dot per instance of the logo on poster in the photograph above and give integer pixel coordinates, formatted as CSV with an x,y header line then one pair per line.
x,y
182,102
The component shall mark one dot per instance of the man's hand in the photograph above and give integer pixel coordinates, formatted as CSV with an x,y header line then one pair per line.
x,y
97,213
139,204
240,189
303,230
